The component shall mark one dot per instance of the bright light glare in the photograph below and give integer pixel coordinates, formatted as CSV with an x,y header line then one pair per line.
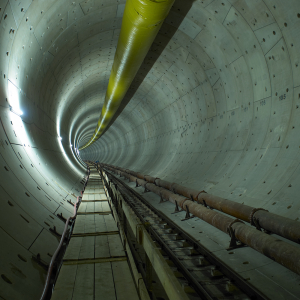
x,y
67,158
13,98
60,138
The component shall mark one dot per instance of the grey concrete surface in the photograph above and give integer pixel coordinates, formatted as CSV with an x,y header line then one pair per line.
x,y
215,106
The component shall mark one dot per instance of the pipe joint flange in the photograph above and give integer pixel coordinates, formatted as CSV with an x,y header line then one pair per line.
x,y
229,228
172,188
199,194
182,204
251,217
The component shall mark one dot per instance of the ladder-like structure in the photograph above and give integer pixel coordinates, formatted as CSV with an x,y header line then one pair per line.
x,y
95,264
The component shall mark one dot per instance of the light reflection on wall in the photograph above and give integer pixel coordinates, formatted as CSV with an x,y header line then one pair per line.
x,y
13,98
67,158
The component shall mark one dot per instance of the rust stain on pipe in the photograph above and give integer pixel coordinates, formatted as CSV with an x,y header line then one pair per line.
x,y
283,253
282,226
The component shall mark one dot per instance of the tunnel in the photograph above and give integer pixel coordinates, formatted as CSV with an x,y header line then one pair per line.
x,y
213,107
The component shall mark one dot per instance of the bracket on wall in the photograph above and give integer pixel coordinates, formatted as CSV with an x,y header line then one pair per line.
x,y
53,230
234,242
62,218
162,199
38,260
69,201
187,215
177,208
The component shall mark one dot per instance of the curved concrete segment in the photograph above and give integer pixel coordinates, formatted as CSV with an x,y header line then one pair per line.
x,y
214,106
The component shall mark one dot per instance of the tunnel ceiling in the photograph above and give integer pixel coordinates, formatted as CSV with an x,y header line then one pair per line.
x,y
214,106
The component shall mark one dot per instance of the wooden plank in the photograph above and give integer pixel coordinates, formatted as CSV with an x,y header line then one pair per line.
x,y
91,196
115,245
73,248
91,223
101,197
80,248
110,223
84,224
90,207
85,197
94,190
124,284
95,233
102,200
102,206
102,246
87,247
82,207
84,283
104,283
94,260
65,283
93,213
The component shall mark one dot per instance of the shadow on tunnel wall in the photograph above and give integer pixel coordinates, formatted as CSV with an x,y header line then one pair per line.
x,y
154,53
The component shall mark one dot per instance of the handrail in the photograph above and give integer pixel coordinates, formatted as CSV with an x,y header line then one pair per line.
x,y
50,269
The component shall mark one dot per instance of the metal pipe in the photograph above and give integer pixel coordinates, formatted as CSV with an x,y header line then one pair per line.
x,y
284,253
141,22
258,217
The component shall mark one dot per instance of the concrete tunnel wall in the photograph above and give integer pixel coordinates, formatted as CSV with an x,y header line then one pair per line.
x,y
215,107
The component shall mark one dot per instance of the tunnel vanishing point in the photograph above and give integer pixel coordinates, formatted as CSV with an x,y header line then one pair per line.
x,y
149,149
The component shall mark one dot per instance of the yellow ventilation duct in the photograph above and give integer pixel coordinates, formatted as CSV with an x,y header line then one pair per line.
x,y
141,22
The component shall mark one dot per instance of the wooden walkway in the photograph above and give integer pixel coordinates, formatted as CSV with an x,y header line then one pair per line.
x,y
95,264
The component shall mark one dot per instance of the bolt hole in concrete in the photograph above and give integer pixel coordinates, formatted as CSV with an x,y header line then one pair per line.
x,y
22,258
5,279
6,168
9,203
27,194
24,218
